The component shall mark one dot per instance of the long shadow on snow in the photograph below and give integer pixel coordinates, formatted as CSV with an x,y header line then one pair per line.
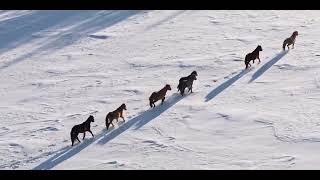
x,y
68,26
19,30
66,153
225,85
267,65
105,136
142,119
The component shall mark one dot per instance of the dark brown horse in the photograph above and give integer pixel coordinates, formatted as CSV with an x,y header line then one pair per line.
x,y
290,40
81,128
186,83
186,78
252,56
115,115
156,96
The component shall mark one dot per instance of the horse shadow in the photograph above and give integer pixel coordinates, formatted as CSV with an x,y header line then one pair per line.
x,y
64,154
141,119
107,135
267,65
225,85
66,27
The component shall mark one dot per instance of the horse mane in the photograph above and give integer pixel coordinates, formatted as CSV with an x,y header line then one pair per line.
x,y
121,107
191,76
257,48
89,119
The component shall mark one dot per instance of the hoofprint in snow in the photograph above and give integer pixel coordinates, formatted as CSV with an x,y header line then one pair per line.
x,y
62,66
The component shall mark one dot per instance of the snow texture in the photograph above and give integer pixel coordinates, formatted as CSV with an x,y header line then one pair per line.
x,y
59,67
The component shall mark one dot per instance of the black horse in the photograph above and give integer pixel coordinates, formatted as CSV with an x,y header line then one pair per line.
x,y
252,56
187,82
81,128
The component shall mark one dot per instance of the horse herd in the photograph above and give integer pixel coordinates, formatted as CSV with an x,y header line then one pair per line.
x,y
184,82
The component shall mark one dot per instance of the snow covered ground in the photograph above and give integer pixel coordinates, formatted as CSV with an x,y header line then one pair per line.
x,y
59,67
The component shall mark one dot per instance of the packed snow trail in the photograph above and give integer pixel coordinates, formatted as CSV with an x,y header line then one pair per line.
x,y
107,135
63,66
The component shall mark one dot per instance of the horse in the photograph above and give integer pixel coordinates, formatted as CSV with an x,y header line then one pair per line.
x,y
155,96
186,83
252,56
115,115
291,40
81,128
186,78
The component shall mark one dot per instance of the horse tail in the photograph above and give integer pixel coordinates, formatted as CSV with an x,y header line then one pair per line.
x,y
151,98
284,44
72,135
107,121
247,59
71,132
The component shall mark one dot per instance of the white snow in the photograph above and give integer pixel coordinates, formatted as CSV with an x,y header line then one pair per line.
x,y
59,67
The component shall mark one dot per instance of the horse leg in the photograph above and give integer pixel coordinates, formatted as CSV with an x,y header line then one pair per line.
x,y
107,125
163,100
78,139
292,45
122,118
248,65
151,104
91,133
84,135
190,88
